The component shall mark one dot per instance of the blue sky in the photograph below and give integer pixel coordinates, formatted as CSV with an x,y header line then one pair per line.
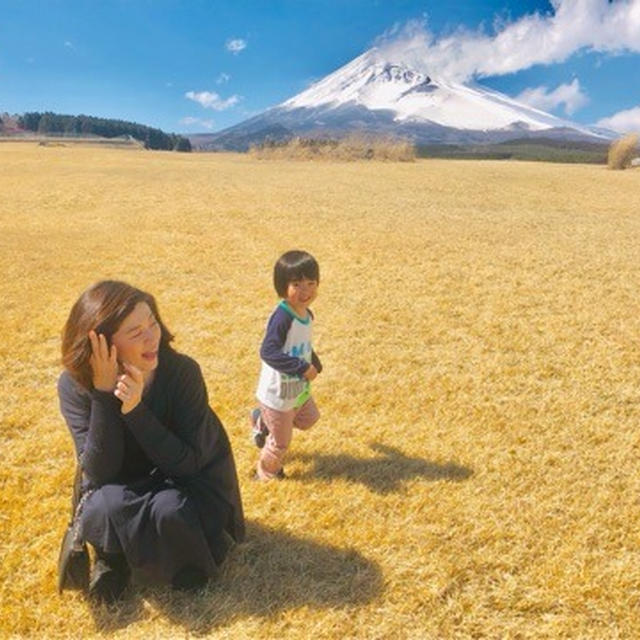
x,y
202,65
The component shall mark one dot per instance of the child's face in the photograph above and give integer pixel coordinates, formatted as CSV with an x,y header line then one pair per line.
x,y
301,293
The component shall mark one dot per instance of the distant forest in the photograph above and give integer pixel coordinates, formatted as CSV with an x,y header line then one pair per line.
x,y
535,149
53,123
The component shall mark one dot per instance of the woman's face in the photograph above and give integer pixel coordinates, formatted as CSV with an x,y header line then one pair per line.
x,y
138,339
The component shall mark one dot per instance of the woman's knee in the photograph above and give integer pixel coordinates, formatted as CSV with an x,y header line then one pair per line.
x,y
96,524
95,510
170,510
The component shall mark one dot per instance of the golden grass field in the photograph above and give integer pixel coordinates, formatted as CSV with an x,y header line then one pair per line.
x,y
475,473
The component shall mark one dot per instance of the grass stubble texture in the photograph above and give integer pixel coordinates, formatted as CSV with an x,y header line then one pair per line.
x,y
475,470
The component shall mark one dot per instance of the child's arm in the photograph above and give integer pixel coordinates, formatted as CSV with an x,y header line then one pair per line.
x,y
315,361
311,373
273,342
314,368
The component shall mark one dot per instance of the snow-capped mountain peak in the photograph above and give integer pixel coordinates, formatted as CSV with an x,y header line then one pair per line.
x,y
358,81
372,82
378,95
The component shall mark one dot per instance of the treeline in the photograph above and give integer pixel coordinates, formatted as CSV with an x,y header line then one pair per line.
x,y
53,123
534,149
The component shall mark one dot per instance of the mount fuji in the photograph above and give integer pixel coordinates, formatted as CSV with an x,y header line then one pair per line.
x,y
375,95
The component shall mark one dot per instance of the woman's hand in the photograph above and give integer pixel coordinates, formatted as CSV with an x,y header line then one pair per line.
x,y
130,387
104,363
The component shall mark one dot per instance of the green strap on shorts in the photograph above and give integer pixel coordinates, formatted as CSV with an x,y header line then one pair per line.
x,y
303,397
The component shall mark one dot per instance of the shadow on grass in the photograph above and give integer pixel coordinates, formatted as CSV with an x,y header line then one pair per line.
x,y
270,572
112,618
382,474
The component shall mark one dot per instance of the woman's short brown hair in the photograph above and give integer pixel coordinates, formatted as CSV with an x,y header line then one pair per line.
x,y
101,308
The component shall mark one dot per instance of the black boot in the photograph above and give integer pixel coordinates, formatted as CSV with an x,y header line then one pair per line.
x,y
109,577
189,578
221,547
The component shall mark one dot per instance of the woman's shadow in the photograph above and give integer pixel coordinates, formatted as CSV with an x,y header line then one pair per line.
x,y
274,571
271,571
382,474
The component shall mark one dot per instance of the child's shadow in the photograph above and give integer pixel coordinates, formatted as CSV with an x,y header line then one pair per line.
x,y
271,571
382,474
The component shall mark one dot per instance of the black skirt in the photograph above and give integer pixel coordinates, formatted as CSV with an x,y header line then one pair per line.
x,y
155,524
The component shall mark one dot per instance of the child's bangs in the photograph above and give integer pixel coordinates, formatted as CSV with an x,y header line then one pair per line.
x,y
307,271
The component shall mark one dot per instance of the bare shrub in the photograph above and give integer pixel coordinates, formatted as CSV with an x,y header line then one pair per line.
x,y
349,148
622,151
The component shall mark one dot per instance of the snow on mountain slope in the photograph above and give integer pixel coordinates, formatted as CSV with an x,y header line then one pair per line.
x,y
376,84
381,96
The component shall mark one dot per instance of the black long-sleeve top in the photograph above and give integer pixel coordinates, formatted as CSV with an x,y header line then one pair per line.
x,y
172,429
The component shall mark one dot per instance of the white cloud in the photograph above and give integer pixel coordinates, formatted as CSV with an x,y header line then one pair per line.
x,y
569,95
236,45
211,100
572,26
624,121
189,121
223,78
68,44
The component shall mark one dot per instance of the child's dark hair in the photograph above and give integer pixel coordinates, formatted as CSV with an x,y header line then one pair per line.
x,y
294,265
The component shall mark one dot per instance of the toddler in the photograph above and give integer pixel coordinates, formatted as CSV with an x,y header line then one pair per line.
x,y
289,364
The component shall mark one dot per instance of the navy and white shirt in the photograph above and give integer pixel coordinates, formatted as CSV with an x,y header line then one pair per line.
x,y
286,353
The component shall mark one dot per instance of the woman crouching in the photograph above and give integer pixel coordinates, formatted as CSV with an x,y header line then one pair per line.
x,y
159,484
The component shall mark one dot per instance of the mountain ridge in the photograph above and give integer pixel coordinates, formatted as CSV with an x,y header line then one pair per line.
x,y
374,95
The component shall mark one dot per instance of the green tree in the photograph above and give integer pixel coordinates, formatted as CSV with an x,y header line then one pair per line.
x,y
30,121
182,144
45,124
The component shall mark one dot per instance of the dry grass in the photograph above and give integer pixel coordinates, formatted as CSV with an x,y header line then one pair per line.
x,y
622,151
475,472
348,149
